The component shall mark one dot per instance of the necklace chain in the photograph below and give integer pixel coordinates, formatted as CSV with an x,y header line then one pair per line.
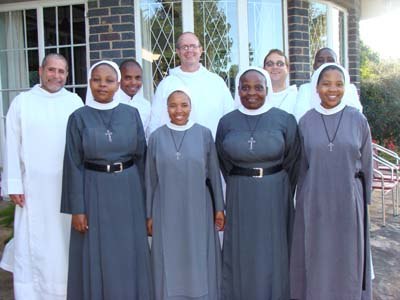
x,y
252,141
177,148
107,126
330,145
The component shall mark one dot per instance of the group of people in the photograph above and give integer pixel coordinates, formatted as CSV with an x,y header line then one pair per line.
x,y
121,170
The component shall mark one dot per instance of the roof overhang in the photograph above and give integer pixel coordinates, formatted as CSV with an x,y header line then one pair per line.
x,y
376,8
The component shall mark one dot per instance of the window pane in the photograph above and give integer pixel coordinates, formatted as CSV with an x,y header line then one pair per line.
x,y
66,52
78,14
161,25
265,27
49,15
80,65
215,25
31,28
33,65
318,28
64,25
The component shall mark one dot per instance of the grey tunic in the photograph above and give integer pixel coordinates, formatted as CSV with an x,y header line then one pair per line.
x,y
186,253
111,260
328,243
259,210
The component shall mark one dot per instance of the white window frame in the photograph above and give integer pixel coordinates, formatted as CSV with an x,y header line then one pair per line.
x,y
39,6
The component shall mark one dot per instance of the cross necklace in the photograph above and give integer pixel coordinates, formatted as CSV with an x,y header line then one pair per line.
x,y
330,145
177,148
107,126
252,141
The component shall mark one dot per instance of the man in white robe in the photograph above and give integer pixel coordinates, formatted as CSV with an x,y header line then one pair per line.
x,y
130,91
211,98
304,100
35,140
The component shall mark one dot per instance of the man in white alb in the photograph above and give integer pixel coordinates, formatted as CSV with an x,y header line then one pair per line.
x,y
211,98
130,92
34,152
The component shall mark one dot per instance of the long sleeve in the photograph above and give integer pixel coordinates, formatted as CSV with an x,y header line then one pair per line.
x,y
366,159
13,157
72,196
353,99
213,173
302,101
224,164
229,104
140,153
159,114
151,176
292,151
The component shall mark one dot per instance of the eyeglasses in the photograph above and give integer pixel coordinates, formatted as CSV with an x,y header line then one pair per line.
x,y
279,64
187,47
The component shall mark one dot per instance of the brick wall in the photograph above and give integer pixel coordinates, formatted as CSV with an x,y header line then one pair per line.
x,y
299,39
299,46
111,30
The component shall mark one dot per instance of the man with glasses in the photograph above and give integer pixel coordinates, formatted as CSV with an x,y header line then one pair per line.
x,y
210,96
277,66
304,101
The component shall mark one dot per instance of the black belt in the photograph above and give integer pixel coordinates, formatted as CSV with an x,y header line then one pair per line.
x,y
360,175
111,168
255,172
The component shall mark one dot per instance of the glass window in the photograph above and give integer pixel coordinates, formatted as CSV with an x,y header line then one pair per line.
x,y
161,24
265,26
19,51
327,25
215,25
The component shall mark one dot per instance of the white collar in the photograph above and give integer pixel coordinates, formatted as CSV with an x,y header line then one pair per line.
x,y
178,70
254,112
43,93
187,126
103,106
330,111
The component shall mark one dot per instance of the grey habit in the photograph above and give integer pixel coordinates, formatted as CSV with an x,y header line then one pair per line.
x,y
328,240
259,210
112,259
186,254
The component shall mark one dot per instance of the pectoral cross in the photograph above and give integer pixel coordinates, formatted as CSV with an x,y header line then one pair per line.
x,y
109,134
330,146
178,155
251,141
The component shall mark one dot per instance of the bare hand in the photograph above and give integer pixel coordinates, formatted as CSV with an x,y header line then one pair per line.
x,y
79,223
220,220
18,199
149,225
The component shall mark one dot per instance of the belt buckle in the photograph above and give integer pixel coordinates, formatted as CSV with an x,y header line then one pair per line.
x,y
260,173
120,167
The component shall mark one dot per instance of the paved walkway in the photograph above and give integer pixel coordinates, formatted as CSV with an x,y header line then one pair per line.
x,y
385,243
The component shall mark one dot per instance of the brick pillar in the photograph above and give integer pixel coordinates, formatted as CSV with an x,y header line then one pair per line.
x,y
299,44
111,30
353,35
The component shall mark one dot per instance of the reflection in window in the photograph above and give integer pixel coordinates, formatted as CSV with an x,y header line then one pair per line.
x,y
324,35
161,25
215,25
265,29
